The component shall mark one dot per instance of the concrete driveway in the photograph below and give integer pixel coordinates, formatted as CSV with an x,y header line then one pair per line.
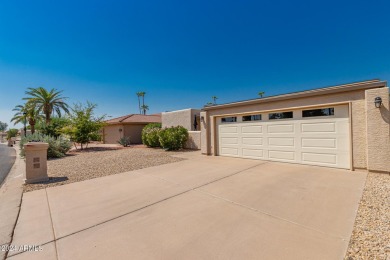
x,y
200,208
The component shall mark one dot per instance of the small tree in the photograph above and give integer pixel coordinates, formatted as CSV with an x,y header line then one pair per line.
x,y
83,124
13,132
261,94
3,126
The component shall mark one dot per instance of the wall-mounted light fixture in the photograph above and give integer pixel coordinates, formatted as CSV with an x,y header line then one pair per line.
x,y
120,129
378,102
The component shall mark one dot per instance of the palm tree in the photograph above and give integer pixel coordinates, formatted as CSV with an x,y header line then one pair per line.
x,y
27,113
261,94
214,98
47,101
144,108
143,99
139,94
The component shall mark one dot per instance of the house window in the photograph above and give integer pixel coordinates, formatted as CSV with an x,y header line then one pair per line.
x,y
251,118
318,112
229,119
282,115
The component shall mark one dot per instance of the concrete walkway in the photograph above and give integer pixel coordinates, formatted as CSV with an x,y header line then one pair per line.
x,y
201,208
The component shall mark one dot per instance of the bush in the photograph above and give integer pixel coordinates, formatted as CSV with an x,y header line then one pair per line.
x,y
58,147
150,135
54,128
12,133
96,137
124,141
173,138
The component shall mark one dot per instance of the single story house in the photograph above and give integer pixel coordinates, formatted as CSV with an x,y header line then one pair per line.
x,y
344,126
127,126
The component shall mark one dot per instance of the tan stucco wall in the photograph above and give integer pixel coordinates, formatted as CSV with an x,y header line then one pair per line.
x,y
134,132
378,129
193,141
112,134
358,111
183,118
205,133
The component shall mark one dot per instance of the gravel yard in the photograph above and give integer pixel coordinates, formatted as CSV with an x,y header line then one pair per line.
x,y
371,234
101,161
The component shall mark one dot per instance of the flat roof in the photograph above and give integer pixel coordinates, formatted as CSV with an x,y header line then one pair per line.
x,y
361,85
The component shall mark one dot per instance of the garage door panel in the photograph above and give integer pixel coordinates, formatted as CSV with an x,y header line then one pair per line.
x,y
280,128
307,142
252,140
229,129
326,127
319,158
281,141
251,129
281,155
230,140
253,153
230,151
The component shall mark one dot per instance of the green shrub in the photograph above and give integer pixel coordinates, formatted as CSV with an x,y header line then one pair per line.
x,y
54,128
150,135
96,137
58,147
173,138
124,141
12,133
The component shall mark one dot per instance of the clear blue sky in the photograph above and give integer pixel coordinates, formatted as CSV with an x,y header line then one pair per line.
x,y
183,52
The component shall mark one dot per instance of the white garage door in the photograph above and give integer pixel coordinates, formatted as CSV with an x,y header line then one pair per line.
x,y
317,136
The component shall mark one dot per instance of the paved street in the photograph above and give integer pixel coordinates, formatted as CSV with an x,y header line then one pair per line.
x,y
7,159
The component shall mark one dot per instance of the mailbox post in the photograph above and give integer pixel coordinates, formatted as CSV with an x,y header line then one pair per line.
x,y
36,162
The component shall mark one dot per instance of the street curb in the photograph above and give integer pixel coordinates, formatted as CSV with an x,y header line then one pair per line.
x,y
11,193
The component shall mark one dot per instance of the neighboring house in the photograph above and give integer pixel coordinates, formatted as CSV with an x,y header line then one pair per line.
x,y
129,125
189,119
345,126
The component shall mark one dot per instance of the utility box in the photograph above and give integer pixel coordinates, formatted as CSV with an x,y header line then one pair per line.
x,y
36,162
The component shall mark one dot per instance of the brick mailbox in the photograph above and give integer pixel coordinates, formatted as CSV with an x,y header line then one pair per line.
x,y
36,162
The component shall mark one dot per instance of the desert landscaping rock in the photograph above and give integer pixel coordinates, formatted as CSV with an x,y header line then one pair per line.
x,y
101,161
371,235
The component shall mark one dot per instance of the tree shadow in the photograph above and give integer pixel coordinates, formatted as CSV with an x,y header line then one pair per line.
x,y
94,149
52,180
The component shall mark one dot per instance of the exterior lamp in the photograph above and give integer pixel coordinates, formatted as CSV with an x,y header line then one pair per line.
x,y
120,129
378,102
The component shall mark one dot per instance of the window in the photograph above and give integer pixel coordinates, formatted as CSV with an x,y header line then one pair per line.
x,y
251,118
281,115
318,112
229,119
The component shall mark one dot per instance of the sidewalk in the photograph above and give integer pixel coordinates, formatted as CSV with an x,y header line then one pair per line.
x,y
11,193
